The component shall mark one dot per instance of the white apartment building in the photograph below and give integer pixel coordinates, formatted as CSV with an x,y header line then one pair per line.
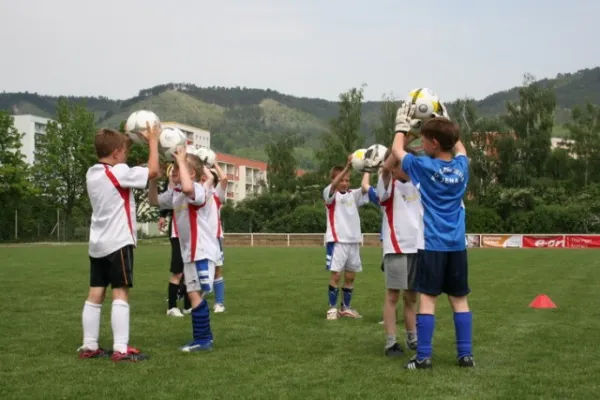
x,y
196,136
31,126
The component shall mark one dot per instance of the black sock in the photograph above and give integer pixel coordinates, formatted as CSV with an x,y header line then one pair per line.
x,y
186,302
173,295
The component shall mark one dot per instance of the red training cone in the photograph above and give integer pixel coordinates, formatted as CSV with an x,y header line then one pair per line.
x,y
542,301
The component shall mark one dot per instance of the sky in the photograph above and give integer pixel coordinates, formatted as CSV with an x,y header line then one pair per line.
x,y
305,48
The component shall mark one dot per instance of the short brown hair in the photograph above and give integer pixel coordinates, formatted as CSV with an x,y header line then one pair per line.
x,y
443,130
195,163
335,171
107,140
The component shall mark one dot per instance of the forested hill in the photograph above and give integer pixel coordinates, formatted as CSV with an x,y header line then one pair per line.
x,y
242,120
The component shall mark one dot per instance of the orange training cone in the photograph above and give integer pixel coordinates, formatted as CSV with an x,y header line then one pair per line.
x,y
542,301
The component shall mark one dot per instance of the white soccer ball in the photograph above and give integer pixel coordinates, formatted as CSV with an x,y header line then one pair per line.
x,y
169,141
426,102
374,157
135,127
207,156
358,160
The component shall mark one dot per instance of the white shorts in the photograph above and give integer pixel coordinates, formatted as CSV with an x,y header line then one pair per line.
x,y
199,276
343,257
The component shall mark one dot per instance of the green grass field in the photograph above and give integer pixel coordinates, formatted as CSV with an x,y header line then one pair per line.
x,y
274,341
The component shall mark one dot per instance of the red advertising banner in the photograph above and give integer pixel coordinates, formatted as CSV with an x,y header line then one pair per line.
x,y
533,242
583,242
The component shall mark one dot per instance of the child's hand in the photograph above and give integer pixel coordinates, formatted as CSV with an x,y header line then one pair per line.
x,y
349,161
153,132
180,154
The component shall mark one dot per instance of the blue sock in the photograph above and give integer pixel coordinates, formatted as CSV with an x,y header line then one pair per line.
x,y
347,292
201,324
219,287
463,327
425,327
333,295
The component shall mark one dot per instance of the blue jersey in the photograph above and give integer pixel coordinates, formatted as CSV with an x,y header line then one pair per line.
x,y
442,185
373,198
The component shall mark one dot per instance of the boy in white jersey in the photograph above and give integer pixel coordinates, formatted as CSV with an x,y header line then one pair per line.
x,y
402,233
343,238
214,203
176,278
113,236
199,247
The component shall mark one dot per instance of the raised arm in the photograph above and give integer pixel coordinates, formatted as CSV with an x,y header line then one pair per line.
x,y
366,182
335,183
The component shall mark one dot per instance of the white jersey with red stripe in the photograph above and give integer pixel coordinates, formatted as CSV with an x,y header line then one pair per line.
x,y
214,204
113,224
343,221
191,215
402,226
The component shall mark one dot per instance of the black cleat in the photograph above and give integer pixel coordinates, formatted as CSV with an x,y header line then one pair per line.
x,y
394,351
414,363
466,362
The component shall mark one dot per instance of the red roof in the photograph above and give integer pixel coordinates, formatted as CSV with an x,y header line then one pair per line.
x,y
237,161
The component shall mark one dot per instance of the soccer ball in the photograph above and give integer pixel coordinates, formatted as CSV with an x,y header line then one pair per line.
x,y
169,140
374,157
207,156
358,160
426,102
135,127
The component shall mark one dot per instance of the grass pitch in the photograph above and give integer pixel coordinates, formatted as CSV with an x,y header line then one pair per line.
x,y
274,341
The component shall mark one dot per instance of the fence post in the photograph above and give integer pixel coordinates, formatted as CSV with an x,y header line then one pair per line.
x,y
16,224
252,240
288,240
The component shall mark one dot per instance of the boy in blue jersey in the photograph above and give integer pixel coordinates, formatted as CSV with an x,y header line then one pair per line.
x,y
441,178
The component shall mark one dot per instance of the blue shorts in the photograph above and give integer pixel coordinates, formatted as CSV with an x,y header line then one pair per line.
x,y
443,272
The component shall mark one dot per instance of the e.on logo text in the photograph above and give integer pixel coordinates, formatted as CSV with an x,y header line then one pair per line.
x,y
549,243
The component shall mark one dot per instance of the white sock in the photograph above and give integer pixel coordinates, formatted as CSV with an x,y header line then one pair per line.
x,y
90,319
390,341
120,325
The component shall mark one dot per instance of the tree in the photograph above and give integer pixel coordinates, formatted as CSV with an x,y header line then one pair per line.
x,y
63,156
344,136
479,137
532,119
384,131
138,155
15,187
282,165
584,131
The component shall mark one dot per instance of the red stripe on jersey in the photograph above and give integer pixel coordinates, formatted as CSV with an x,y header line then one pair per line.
x,y
331,216
193,213
125,195
218,202
389,212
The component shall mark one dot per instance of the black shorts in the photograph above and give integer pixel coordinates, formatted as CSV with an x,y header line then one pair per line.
x,y
443,272
176,259
116,269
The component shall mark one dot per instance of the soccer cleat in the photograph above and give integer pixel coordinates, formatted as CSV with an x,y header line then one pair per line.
x,y
187,311
414,363
350,313
394,351
466,362
219,308
174,312
85,353
193,347
132,355
332,314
